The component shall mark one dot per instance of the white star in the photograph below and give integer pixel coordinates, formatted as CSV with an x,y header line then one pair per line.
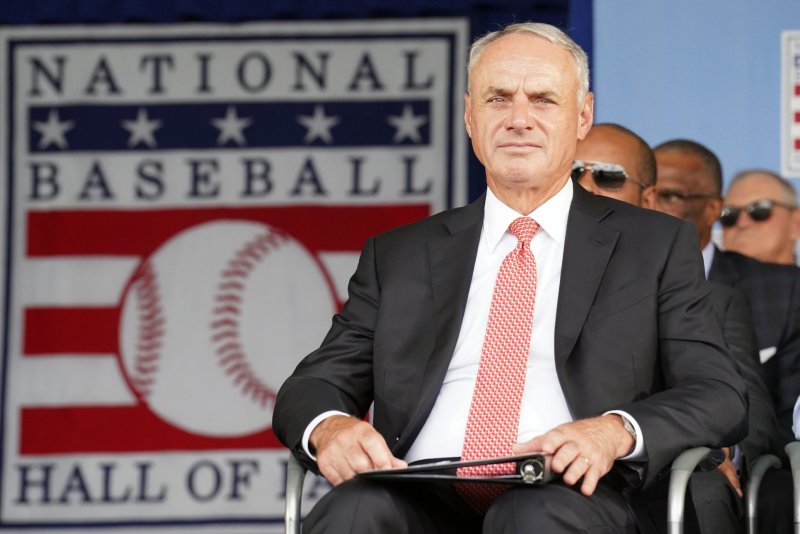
x,y
53,131
142,130
407,125
231,127
319,125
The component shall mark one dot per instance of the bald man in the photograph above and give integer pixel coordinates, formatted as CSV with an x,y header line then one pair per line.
x,y
760,218
612,144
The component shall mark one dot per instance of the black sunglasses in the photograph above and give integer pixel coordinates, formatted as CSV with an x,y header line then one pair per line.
x,y
609,176
760,210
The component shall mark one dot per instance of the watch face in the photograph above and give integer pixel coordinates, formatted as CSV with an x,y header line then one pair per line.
x,y
629,427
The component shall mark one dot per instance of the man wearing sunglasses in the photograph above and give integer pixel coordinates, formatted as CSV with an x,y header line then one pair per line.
x,y
716,494
613,161
689,185
760,218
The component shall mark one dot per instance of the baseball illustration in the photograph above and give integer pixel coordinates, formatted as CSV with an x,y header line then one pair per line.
x,y
215,320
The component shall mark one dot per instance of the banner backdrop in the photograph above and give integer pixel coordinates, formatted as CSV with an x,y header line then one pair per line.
x,y
183,208
790,104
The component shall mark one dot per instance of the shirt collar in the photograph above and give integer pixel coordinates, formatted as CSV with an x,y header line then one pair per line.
x,y
551,216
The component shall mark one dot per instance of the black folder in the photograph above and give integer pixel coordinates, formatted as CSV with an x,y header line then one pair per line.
x,y
529,469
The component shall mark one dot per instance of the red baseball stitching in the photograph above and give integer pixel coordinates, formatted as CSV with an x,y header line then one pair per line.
x,y
225,316
151,330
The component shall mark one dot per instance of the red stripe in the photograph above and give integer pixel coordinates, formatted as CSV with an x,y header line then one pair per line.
x,y
797,90
71,330
797,144
138,233
109,429
797,116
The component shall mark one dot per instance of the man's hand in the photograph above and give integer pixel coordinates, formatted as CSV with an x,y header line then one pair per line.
x,y
727,469
345,446
586,448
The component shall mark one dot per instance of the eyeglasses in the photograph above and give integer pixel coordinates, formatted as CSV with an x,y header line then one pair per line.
x,y
670,198
760,210
609,176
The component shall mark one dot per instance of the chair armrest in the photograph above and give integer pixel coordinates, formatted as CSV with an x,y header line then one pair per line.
x,y
295,477
682,468
793,452
760,467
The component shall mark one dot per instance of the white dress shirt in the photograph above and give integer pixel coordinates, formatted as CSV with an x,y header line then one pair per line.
x,y
708,256
543,403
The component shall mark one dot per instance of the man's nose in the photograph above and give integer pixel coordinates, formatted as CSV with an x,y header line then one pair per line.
x,y
520,114
744,220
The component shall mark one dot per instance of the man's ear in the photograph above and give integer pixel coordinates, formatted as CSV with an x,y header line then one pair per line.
x,y
586,115
468,115
713,210
796,224
649,197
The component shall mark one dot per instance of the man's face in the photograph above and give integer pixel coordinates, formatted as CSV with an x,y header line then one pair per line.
x,y
768,240
522,113
684,190
607,145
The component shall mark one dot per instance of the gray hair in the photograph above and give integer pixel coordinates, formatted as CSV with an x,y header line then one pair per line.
x,y
789,192
546,31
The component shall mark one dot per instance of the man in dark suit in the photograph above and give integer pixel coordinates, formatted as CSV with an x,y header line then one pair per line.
x,y
624,366
690,187
717,494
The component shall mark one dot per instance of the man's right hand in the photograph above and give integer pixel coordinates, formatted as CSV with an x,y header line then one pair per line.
x,y
345,446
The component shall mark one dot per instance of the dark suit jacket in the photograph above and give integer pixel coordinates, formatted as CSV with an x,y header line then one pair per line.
x,y
773,292
634,331
733,313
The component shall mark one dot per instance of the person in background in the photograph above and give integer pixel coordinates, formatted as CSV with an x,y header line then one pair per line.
x,y
689,178
620,164
760,218
689,186
605,156
539,318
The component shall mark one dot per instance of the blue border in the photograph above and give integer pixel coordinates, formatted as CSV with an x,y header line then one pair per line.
x,y
448,38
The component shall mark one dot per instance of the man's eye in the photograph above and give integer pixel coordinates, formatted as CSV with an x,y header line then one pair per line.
x,y
497,99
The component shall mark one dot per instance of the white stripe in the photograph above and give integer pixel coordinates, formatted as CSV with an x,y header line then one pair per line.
x,y
70,380
68,281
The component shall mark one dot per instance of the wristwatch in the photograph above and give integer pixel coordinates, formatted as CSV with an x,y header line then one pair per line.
x,y
627,425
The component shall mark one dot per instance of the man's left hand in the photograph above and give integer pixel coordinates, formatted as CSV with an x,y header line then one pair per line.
x,y
727,469
585,448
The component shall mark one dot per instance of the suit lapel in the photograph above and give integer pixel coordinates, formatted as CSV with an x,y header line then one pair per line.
x,y
587,249
452,260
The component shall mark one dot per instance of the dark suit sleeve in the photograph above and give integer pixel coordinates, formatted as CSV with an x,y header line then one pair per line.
x,y
734,313
785,365
703,400
338,375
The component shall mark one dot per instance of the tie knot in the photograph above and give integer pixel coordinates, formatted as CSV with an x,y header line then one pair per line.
x,y
523,228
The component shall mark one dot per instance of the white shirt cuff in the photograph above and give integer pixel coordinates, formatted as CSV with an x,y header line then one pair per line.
x,y
638,452
312,425
796,419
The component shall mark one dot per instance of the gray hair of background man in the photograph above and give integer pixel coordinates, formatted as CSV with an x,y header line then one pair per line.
x,y
646,170
552,34
789,192
709,159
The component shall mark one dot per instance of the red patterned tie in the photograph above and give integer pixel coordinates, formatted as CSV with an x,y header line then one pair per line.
x,y
493,421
